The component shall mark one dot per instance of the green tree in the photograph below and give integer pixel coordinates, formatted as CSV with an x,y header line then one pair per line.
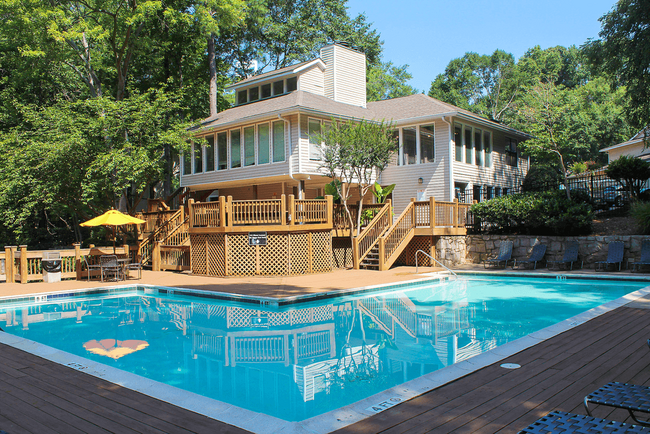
x,y
565,65
623,52
631,172
355,153
386,81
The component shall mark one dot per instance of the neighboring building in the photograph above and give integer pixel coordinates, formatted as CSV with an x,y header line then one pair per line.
x,y
634,147
263,147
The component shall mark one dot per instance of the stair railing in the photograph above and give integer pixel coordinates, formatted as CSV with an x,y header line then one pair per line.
x,y
367,239
433,259
145,249
397,237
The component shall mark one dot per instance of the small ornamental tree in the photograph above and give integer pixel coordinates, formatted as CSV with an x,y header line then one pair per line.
x,y
355,154
630,171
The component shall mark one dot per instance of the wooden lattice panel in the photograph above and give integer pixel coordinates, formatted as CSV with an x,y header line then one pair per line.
x,y
198,257
216,257
298,253
241,257
341,253
274,257
407,257
321,252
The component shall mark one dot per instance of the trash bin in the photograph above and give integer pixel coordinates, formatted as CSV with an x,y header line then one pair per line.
x,y
51,267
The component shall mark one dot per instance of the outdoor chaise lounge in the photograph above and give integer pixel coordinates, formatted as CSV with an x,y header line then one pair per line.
x,y
505,255
615,251
536,255
558,421
645,256
570,257
629,397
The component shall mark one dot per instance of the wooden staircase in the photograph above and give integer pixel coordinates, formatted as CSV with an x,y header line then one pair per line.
x,y
173,232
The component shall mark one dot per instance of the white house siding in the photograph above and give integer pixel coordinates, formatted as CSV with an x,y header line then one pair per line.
x,y
435,175
499,174
308,166
312,80
345,75
633,149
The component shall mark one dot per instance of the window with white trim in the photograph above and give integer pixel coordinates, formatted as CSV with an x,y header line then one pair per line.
x,y
263,144
198,158
209,154
235,148
314,139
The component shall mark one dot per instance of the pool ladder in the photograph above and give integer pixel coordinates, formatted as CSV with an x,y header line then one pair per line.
x,y
433,259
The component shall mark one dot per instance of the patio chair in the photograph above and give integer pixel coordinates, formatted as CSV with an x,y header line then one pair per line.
x,y
536,255
135,266
110,267
629,397
645,256
559,421
505,253
570,256
90,268
615,251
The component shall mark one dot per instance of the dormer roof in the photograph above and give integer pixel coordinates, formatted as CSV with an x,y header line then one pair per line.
x,y
270,76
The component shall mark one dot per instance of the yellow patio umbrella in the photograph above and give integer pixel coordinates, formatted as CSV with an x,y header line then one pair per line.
x,y
113,348
113,218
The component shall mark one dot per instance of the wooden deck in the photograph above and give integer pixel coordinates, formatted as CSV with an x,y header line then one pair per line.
x,y
39,396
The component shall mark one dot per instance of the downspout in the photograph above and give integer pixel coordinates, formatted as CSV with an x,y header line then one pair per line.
x,y
451,161
288,122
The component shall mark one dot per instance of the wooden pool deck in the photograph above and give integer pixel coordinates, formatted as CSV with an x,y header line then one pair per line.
x,y
39,396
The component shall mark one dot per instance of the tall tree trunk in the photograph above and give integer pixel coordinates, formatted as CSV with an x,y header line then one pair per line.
x,y
213,75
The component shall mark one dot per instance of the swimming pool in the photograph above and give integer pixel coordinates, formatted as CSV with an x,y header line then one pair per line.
x,y
300,361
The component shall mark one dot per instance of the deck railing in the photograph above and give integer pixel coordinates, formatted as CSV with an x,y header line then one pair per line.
x,y
280,214
366,240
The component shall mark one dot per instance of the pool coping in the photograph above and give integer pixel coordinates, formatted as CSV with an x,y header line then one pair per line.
x,y
334,419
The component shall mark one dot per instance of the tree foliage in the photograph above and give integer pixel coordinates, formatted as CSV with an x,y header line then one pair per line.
x,y
631,172
386,81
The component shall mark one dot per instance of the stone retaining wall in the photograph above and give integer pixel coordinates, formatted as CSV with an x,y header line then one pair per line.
x,y
474,249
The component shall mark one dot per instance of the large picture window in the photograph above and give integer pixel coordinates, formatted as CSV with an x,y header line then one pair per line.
x,y
222,151
249,146
427,148
409,145
314,139
209,154
235,149
278,141
263,143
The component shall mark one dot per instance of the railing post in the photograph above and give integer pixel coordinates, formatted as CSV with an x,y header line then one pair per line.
x,y
283,210
456,224
77,260
182,210
382,250
292,210
432,213
330,211
127,250
23,264
222,211
155,256
9,263
190,205
414,214
355,254
229,216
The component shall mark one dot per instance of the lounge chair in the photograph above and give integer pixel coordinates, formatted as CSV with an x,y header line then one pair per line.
x,y
536,255
505,253
645,256
622,395
570,256
615,251
110,267
90,268
559,421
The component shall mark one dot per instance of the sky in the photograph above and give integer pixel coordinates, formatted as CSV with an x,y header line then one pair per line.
x,y
427,34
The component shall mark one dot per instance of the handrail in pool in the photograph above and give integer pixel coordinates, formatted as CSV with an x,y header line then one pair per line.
x,y
434,259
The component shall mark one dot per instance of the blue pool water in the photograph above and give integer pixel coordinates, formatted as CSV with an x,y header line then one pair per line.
x,y
305,360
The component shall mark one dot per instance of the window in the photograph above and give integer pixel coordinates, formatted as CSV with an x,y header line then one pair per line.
x,y
266,90
209,154
458,141
242,97
409,146
468,145
198,158
254,93
511,152
497,191
490,192
235,149
459,192
478,193
292,84
487,145
314,140
249,146
278,141
263,144
222,151
427,148
478,147
187,162
278,87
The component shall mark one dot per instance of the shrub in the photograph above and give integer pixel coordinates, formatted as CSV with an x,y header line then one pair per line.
x,y
545,213
640,211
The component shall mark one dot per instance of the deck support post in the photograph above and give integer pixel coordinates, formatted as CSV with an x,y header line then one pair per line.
x,y
229,215
382,249
283,210
330,210
190,205
23,264
222,212
456,224
10,263
77,260
155,256
432,213
292,210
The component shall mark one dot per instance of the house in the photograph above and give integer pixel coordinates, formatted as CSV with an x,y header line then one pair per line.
x,y
635,147
264,146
